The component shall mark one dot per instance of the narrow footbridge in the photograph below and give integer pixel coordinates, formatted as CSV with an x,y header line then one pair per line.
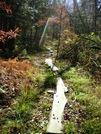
x,y
56,115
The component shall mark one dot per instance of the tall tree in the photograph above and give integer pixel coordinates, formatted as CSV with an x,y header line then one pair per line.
x,y
86,14
7,29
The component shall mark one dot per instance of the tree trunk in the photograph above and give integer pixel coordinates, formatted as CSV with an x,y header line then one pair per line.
x,y
95,16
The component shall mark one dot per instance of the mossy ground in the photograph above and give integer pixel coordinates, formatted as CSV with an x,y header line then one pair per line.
x,y
28,112
82,113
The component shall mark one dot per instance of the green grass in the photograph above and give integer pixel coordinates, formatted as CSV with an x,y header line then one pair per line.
x,y
70,128
86,95
50,80
30,109
29,112
21,111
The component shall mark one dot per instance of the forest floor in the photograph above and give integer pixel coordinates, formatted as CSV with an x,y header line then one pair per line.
x,y
25,103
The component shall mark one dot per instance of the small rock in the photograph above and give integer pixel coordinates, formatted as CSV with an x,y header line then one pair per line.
x,y
51,91
48,109
54,68
70,105
51,51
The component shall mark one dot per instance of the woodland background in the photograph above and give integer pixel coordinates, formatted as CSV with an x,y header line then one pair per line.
x,y
75,24
74,33
84,17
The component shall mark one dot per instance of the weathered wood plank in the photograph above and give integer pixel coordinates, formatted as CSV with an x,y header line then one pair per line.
x,y
56,116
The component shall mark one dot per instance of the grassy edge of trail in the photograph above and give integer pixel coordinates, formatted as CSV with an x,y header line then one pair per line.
x,y
29,111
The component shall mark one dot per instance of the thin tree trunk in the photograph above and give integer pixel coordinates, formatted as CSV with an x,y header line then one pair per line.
x,y
59,36
76,5
95,16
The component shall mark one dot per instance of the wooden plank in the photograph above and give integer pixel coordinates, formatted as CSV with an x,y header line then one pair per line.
x,y
56,116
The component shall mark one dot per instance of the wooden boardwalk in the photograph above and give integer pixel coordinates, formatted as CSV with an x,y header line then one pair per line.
x,y
56,116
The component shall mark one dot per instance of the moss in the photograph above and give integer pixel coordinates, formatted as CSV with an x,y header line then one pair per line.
x,y
85,94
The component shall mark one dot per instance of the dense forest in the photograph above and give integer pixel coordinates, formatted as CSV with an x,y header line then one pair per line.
x,y
71,31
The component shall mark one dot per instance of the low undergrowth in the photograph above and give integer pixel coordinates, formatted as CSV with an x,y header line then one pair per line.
x,y
16,100
25,107
83,110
